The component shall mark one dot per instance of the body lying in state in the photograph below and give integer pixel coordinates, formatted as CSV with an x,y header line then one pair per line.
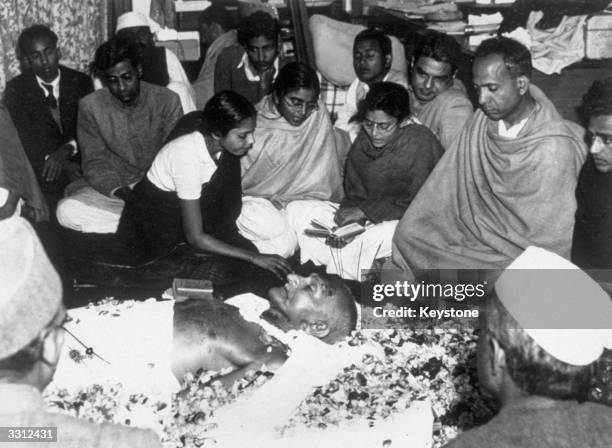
x,y
151,345
213,335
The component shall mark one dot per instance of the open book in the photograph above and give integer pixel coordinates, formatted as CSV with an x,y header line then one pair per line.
x,y
345,232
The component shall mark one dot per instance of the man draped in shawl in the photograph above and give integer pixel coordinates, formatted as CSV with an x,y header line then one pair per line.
x,y
387,164
296,156
17,179
507,183
437,99
592,244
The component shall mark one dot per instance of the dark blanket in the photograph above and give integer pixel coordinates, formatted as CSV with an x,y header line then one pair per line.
x,y
592,242
382,182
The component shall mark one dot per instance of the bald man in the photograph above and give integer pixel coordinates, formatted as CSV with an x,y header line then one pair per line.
x,y
213,335
152,345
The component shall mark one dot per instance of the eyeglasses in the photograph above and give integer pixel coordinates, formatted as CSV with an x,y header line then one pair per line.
x,y
382,127
295,103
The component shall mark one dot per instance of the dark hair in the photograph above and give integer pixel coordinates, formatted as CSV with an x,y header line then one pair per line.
x,y
259,23
531,368
598,99
375,34
517,57
439,47
34,32
224,112
215,13
389,97
295,76
115,51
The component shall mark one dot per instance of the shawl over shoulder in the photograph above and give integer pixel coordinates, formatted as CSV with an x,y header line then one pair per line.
x,y
290,163
490,197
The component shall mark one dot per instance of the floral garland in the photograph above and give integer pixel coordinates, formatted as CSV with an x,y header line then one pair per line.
x,y
434,363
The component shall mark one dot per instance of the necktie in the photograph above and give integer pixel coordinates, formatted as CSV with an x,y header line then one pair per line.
x,y
50,100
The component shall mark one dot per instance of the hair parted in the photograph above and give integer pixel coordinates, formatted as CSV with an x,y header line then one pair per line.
x,y
295,76
224,112
389,97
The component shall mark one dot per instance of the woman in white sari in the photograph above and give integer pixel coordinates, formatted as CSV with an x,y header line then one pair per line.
x,y
296,155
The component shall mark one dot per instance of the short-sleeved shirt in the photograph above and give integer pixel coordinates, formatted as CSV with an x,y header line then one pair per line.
x,y
183,165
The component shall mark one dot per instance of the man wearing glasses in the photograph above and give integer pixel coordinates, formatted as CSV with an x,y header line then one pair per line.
x,y
31,337
592,244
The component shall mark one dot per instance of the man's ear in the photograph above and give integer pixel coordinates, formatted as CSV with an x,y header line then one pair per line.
x,y
316,328
497,358
139,70
52,346
388,60
58,50
522,83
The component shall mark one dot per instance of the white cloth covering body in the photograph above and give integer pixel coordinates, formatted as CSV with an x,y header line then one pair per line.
x,y
133,338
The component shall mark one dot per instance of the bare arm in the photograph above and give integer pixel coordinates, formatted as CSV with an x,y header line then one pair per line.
x,y
212,335
192,226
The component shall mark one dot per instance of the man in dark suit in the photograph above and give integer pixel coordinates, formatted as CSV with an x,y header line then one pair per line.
x,y
43,103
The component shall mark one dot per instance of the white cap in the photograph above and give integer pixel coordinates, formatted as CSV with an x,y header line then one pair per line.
x,y
132,19
30,288
563,309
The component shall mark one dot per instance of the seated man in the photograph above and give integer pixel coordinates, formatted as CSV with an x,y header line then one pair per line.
x,y
542,376
250,68
160,66
372,60
121,128
215,36
437,98
508,183
168,338
19,190
31,338
592,244
43,103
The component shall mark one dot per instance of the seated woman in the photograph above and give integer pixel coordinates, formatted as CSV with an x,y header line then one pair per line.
x,y
296,155
192,194
386,166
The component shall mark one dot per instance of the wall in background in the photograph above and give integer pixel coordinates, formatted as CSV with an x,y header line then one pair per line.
x,y
80,24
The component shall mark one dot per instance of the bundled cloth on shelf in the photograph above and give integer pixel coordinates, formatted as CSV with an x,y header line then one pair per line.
x,y
553,49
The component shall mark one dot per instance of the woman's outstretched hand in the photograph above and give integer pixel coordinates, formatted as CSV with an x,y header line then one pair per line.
x,y
273,263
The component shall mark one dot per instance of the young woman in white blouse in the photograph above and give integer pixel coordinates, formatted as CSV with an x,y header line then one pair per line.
x,y
192,192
